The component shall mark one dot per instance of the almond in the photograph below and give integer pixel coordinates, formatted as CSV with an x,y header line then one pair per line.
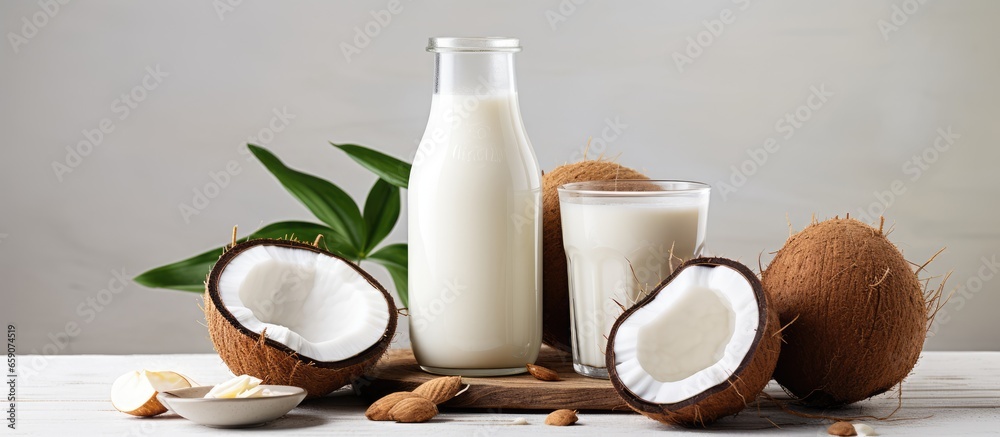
x,y
543,373
561,418
841,429
413,410
379,410
439,390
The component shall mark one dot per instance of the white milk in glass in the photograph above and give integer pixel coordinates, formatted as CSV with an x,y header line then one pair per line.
x,y
474,225
615,252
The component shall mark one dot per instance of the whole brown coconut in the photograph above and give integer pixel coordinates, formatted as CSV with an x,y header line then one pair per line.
x,y
555,285
248,352
857,313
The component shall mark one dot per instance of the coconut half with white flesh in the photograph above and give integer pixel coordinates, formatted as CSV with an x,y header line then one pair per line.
x,y
292,314
701,346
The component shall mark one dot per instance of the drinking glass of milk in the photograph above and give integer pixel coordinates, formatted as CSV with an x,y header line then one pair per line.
x,y
621,239
474,218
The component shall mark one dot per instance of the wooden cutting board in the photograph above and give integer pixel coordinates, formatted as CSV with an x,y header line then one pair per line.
x,y
398,371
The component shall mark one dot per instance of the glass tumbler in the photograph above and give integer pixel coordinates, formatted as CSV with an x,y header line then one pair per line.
x,y
621,239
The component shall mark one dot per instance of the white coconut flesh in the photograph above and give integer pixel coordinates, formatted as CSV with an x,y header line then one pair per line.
x,y
135,390
315,304
690,337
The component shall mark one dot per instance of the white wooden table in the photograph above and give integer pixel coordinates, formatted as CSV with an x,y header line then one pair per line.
x,y
949,394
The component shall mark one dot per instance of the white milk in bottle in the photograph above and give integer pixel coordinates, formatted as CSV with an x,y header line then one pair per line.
x,y
474,218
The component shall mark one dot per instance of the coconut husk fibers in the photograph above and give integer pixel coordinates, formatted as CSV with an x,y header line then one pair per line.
x,y
246,352
857,313
555,281
730,396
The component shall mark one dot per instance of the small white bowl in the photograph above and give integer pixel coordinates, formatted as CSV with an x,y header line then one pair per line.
x,y
190,403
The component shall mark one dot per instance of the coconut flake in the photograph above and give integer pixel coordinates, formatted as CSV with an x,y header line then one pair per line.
x,y
864,430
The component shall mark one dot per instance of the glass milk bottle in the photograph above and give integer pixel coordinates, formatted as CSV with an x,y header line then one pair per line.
x,y
475,218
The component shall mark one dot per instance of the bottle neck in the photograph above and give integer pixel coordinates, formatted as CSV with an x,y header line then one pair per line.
x,y
474,73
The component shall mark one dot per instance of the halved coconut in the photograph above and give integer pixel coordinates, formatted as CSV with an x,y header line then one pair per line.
x,y
701,346
293,314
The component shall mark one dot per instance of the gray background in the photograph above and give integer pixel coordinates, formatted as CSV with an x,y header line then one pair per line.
x,y
61,241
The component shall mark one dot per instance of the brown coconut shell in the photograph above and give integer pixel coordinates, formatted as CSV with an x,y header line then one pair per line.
x,y
246,352
734,394
555,280
857,313
151,408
